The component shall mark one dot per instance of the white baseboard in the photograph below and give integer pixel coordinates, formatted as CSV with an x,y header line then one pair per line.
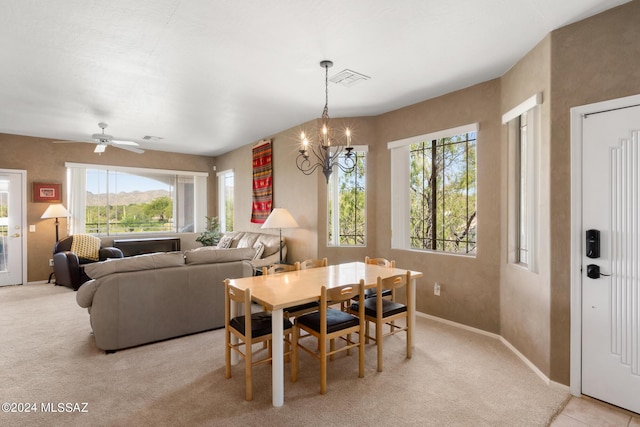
x,y
522,357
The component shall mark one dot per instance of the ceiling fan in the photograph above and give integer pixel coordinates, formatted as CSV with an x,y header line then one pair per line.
x,y
103,140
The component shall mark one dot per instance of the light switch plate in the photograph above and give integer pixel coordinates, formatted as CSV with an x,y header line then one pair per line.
x,y
32,228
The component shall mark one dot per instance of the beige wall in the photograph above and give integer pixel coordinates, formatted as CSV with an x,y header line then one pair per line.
x,y
44,162
470,285
593,60
525,295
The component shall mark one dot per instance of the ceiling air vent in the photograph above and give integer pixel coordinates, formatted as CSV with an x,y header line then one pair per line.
x,y
152,138
348,78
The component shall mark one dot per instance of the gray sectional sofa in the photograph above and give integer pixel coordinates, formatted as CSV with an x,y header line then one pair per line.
x,y
147,298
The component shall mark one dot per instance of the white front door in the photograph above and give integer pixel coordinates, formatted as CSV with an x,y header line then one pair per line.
x,y
12,238
611,296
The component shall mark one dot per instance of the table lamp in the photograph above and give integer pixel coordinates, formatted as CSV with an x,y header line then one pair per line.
x,y
280,218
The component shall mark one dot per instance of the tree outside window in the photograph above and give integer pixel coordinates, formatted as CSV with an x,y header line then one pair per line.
x,y
443,194
346,198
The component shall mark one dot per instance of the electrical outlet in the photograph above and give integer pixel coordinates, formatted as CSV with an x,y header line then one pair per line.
x,y
50,262
436,289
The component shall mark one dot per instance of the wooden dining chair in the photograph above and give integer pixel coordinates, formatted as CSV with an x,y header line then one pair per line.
x,y
371,292
250,328
327,324
280,268
296,310
382,262
301,309
313,263
381,312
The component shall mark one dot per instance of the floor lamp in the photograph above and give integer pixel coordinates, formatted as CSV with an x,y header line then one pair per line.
x,y
280,218
55,211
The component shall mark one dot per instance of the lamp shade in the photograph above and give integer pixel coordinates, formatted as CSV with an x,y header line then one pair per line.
x,y
280,218
55,211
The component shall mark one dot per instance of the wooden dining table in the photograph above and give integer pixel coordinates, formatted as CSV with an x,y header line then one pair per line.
x,y
278,291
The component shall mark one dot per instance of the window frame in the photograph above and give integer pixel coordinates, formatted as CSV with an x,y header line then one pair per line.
x,y
525,193
76,194
400,184
222,201
333,187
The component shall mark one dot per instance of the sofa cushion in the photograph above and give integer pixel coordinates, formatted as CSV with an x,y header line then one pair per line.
x,y
210,255
134,263
259,247
235,237
240,239
271,244
248,240
225,242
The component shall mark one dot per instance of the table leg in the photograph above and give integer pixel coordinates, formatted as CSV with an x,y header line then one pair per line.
x,y
277,363
412,316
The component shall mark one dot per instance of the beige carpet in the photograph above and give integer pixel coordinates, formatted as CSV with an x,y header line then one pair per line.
x,y
456,377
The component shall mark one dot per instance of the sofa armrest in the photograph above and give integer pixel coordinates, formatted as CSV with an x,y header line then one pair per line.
x,y
271,259
84,297
110,252
66,267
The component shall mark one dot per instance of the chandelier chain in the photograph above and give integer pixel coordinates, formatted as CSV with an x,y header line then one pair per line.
x,y
325,111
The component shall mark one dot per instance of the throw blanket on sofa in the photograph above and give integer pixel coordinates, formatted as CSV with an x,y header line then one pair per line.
x,y
86,246
262,182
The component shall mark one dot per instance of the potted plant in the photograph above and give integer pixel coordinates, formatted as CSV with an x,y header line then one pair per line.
x,y
211,235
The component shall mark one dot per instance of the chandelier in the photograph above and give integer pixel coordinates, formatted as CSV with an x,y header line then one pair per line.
x,y
326,151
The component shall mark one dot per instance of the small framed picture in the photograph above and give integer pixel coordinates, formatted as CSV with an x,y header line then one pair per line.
x,y
48,193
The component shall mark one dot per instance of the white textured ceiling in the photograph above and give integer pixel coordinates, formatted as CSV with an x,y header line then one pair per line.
x,y
208,76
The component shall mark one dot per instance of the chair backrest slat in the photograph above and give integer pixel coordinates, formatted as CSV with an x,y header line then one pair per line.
x,y
340,293
382,262
280,268
313,263
395,282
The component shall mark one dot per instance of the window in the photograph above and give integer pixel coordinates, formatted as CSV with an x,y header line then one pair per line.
x,y
523,190
225,200
523,122
111,200
346,203
434,191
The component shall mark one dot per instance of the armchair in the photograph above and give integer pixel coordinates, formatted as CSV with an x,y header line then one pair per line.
x,y
67,265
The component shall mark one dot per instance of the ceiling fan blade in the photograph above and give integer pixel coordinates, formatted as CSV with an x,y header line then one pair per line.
x,y
68,141
125,142
128,148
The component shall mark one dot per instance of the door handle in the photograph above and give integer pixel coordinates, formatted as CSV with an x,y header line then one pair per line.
x,y
15,235
593,272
